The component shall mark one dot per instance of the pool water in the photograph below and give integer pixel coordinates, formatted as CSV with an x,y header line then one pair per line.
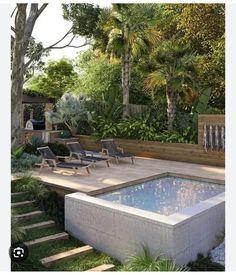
x,y
165,195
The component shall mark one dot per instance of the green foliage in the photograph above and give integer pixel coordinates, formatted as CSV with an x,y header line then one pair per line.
x,y
205,264
17,233
18,152
58,77
48,201
136,129
147,262
59,149
34,52
84,18
98,77
198,108
53,204
37,141
70,111
104,128
24,162
65,134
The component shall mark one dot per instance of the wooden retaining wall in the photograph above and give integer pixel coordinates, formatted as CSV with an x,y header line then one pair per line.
x,y
193,153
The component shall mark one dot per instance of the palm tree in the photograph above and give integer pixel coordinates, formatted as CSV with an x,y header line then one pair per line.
x,y
131,33
175,72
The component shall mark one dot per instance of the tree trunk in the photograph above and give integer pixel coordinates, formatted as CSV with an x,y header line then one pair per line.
x,y
23,29
171,108
126,80
17,76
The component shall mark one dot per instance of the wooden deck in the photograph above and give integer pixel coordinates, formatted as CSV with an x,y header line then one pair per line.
x,y
105,178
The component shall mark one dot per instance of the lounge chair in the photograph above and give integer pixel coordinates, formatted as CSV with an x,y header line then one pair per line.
x,y
109,148
90,156
48,156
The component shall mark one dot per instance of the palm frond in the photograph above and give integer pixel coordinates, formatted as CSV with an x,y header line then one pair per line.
x,y
154,80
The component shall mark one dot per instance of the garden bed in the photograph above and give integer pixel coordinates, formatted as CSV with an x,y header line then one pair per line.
x,y
193,153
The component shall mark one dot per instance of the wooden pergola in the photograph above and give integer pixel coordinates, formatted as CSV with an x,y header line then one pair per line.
x,y
49,102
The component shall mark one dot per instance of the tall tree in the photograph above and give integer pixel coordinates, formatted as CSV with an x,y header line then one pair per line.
x,y
23,29
23,57
175,72
132,33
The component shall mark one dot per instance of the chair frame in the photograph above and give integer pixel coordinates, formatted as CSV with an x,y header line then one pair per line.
x,y
105,151
54,162
80,156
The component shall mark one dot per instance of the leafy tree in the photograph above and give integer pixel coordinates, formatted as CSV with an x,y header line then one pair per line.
x,y
22,47
175,73
97,76
131,34
84,18
57,78
203,26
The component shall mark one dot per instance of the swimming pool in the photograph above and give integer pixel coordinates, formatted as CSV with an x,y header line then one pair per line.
x,y
166,195
120,222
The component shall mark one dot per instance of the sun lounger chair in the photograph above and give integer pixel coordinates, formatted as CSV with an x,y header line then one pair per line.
x,y
109,148
90,156
48,156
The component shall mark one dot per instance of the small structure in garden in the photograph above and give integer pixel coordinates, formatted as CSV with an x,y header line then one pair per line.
x,y
33,127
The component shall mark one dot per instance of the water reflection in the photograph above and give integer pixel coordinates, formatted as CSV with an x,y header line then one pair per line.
x,y
165,196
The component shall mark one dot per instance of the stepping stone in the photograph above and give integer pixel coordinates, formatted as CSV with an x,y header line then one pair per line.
x,y
39,225
22,203
66,255
103,267
55,237
18,193
29,215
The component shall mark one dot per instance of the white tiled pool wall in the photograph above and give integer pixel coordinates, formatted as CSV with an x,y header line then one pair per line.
x,y
120,231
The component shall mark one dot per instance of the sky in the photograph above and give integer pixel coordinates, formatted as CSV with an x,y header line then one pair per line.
x,y
50,27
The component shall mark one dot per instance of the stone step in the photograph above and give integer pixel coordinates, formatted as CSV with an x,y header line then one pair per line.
x,y
22,203
55,237
18,193
29,215
103,267
66,255
39,225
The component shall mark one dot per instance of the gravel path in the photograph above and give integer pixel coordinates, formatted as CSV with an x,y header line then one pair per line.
x,y
218,254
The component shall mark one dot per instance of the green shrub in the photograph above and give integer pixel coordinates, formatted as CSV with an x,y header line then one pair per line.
x,y
37,141
17,233
31,149
147,262
136,129
24,162
59,149
205,264
104,128
48,201
52,204
65,134
170,136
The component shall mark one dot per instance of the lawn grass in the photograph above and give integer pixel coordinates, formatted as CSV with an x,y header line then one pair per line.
x,y
39,233
25,209
37,252
33,220
19,198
